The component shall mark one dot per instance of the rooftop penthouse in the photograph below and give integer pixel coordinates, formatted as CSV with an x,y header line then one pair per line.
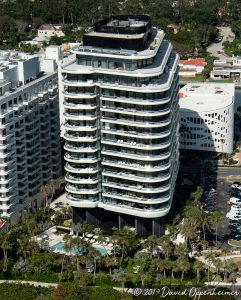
x,y
120,32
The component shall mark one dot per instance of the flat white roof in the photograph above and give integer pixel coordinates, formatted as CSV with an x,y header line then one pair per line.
x,y
204,97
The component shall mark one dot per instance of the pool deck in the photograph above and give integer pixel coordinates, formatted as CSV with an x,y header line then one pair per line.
x,y
52,238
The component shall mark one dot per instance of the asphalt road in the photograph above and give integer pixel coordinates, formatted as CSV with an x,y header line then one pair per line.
x,y
228,171
228,35
222,172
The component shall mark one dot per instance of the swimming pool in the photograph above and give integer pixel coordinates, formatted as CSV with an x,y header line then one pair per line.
x,y
74,250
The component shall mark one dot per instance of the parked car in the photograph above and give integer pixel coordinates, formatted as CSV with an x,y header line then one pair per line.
x,y
235,200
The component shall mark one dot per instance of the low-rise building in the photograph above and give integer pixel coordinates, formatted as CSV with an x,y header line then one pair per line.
x,y
207,117
191,67
227,69
30,153
48,30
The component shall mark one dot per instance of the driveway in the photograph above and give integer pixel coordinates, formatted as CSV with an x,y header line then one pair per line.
x,y
213,49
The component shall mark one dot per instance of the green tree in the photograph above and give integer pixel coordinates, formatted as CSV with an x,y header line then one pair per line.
x,y
197,267
126,238
5,246
120,276
216,218
44,263
151,243
166,245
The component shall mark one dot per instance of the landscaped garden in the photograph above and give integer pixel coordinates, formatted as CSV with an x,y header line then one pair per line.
x,y
42,249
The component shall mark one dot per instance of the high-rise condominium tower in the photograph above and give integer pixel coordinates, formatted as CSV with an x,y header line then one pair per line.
x,y
30,151
120,124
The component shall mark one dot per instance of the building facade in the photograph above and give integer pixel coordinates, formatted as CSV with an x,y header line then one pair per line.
x,y
191,67
227,69
119,116
30,153
207,117
49,30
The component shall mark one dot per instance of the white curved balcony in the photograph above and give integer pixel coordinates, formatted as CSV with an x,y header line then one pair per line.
x,y
81,117
79,106
124,175
78,191
135,112
140,199
71,148
136,100
79,95
134,145
137,156
157,85
79,83
139,212
134,134
137,188
137,123
79,128
87,160
80,180
76,202
136,166
78,170
77,138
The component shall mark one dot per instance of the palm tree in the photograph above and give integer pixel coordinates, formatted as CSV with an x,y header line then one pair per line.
x,y
204,221
197,267
67,247
80,248
210,257
5,245
120,276
216,218
83,228
166,245
161,265
183,265
188,228
151,243
173,267
31,224
93,254
126,238
143,262
45,190
181,251
110,262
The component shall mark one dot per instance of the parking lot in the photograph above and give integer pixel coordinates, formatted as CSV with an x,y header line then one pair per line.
x,y
218,192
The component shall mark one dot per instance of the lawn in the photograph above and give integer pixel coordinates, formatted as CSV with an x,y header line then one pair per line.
x,y
234,243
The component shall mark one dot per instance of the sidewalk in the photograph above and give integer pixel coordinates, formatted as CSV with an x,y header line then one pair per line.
x,y
35,283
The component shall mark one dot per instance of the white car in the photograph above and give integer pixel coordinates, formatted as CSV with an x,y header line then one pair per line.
x,y
236,186
235,211
233,217
235,200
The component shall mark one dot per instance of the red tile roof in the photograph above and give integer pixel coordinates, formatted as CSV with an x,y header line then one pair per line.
x,y
2,223
194,61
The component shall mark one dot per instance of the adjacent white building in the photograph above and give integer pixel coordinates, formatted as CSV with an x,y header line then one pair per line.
x,y
30,153
207,117
119,115
49,30
229,68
